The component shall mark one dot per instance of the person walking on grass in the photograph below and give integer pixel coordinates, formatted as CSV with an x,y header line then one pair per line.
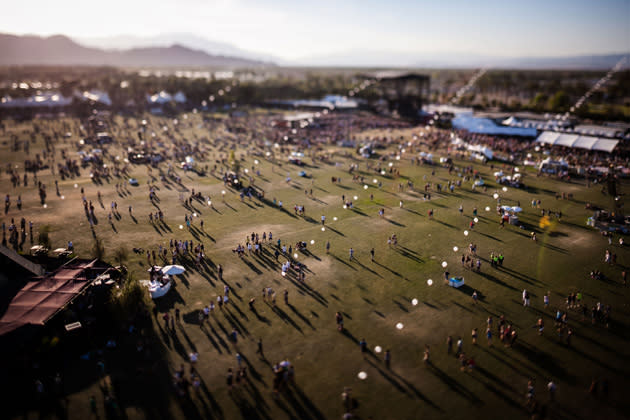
x,y
372,254
551,387
260,348
363,347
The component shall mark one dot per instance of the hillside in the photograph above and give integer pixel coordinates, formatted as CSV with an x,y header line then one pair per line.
x,y
61,50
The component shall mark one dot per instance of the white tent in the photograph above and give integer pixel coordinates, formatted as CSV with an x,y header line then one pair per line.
x,y
96,96
162,97
47,99
605,145
511,121
577,141
482,150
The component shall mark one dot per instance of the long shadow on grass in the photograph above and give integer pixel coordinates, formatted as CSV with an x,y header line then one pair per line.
x,y
545,361
412,211
498,391
349,335
400,305
368,269
455,385
302,287
462,306
230,207
445,224
211,339
343,261
302,317
235,321
336,231
395,223
251,266
310,406
394,378
517,275
496,280
247,410
468,291
287,319
396,273
494,238
512,366
409,255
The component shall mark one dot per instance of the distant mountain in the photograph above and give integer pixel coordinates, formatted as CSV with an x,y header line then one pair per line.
x,y
124,42
61,50
461,60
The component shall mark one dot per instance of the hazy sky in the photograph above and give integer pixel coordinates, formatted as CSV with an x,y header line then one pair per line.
x,y
293,29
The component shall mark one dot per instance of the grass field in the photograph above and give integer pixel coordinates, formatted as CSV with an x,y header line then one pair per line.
x,y
373,296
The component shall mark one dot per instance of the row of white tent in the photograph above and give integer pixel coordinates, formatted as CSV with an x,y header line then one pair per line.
x,y
474,148
164,97
46,99
577,141
52,99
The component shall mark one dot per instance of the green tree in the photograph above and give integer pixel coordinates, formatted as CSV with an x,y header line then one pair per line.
x,y
539,100
559,101
121,254
128,300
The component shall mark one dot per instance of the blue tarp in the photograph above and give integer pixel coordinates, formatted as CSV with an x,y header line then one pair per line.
x,y
456,282
488,126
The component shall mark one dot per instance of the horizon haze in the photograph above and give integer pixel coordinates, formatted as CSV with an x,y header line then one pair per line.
x,y
368,33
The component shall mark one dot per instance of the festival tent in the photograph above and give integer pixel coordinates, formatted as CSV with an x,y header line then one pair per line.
x,y
511,121
577,141
179,97
173,269
482,150
47,99
553,166
162,97
40,299
488,126
96,96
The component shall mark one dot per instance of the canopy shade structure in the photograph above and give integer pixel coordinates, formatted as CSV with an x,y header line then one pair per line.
x,y
96,96
173,270
40,299
164,97
44,99
488,126
577,141
483,150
